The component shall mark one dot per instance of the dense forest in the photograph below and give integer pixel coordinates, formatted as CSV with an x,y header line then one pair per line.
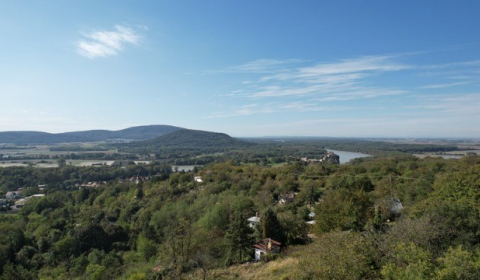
x,y
358,145
396,217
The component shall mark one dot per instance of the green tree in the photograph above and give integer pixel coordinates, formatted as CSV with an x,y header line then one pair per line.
x,y
61,162
146,247
95,272
458,263
271,227
337,255
343,210
408,261
240,240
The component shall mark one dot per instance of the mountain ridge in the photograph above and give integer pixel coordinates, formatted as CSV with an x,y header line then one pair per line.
x,y
186,140
38,137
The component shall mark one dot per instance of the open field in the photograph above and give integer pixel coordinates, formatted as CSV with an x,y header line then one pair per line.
x,y
53,163
51,150
449,155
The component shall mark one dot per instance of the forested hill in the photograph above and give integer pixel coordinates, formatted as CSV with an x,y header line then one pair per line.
x,y
188,140
134,133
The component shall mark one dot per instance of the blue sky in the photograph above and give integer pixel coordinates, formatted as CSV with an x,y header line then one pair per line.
x,y
246,68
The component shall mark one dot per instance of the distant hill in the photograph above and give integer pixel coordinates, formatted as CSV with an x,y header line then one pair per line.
x,y
188,140
134,133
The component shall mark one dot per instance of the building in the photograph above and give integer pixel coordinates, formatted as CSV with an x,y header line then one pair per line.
x,y
20,203
265,247
13,195
254,221
329,157
286,198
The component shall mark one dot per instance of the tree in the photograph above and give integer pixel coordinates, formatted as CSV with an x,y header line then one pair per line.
x,y
408,261
337,255
343,210
295,230
458,263
146,247
61,162
239,240
271,227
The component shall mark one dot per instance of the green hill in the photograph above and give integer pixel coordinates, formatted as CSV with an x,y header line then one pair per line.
x,y
134,133
188,140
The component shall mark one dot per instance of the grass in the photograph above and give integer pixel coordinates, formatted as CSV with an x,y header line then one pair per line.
x,y
282,268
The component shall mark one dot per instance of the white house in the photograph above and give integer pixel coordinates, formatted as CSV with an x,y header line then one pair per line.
x,y
13,195
265,247
254,221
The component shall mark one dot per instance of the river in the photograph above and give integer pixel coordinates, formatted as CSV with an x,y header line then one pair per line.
x,y
347,156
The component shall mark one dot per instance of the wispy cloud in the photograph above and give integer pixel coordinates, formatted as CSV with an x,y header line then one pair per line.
x,y
437,86
104,43
274,107
357,65
471,63
260,66
295,86
367,95
465,105
327,79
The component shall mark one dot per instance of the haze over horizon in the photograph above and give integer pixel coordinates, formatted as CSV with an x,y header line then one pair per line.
x,y
249,68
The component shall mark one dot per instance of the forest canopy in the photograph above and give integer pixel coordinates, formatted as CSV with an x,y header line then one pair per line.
x,y
390,217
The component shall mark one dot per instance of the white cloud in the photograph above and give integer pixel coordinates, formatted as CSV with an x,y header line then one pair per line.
x,y
107,43
326,80
472,63
274,107
260,66
464,105
357,65
286,84
349,97
437,86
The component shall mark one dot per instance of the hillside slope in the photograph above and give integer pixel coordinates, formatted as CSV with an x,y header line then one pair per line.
x,y
135,133
187,140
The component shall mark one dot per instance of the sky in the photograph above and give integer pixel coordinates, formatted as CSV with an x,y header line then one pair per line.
x,y
250,68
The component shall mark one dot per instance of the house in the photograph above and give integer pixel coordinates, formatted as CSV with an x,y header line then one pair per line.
x,y
265,247
91,185
395,206
330,158
254,221
311,216
20,203
13,195
3,204
286,198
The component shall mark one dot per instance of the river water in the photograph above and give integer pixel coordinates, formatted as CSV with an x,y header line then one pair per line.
x,y
347,156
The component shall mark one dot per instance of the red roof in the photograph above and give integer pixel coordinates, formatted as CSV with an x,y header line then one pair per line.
x,y
263,244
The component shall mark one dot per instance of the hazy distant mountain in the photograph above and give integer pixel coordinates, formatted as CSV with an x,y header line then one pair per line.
x,y
187,139
135,133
